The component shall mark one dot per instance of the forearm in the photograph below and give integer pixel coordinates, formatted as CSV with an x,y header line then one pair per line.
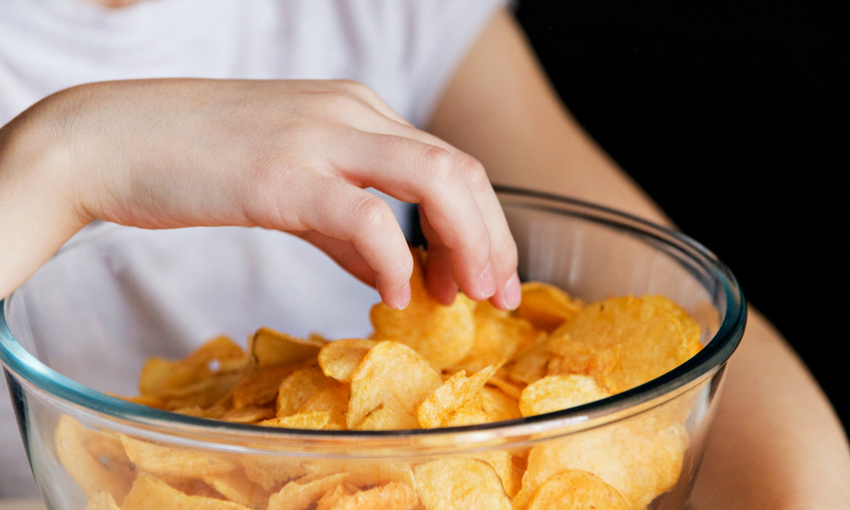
x,y
775,442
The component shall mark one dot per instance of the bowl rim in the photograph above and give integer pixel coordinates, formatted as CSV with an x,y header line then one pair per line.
x,y
711,358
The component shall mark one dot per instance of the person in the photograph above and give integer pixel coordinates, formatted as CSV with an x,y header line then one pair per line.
x,y
81,145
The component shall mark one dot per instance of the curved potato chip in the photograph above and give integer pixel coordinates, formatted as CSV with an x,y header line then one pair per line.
x,y
392,496
443,335
297,389
340,358
101,501
530,364
315,420
690,328
362,472
149,493
498,406
332,497
261,385
648,340
641,458
498,336
556,392
298,496
237,487
388,386
576,490
546,307
460,484
271,471
270,347
333,400
94,459
166,460
449,397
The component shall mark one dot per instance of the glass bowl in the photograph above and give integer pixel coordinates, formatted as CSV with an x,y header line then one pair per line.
x,y
81,328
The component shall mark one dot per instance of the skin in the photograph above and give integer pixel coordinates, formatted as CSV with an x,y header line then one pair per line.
x,y
776,442
231,160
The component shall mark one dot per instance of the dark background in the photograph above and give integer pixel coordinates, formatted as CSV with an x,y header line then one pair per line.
x,y
734,118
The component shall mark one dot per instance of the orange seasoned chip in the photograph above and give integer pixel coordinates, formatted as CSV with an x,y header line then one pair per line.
x,y
270,347
451,396
498,336
94,459
315,420
388,387
101,501
392,496
297,389
690,328
443,335
648,340
498,406
237,487
298,496
641,458
148,493
261,385
577,489
460,483
340,358
167,460
556,392
546,307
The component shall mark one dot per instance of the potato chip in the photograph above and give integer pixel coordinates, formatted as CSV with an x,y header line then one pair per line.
x,y
690,328
340,358
94,459
248,415
641,458
101,501
502,380
530,364
270,472
470,413
165,378
298,496
392,496
149,493
315,420
261,385
237,487
270,347
498,336
332,497
333,400
451,396
388,387
363,472
498,406
460,484
546,307
576,489
556,392
297,389
167,460
648,340
443,335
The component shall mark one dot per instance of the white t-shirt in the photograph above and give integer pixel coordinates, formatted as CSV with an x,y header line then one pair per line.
x,y
405,50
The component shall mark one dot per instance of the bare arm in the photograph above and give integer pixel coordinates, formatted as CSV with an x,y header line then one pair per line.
x,y
776,442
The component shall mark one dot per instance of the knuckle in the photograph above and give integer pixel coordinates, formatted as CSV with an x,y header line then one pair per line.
x,y
474,174
371,215
438,164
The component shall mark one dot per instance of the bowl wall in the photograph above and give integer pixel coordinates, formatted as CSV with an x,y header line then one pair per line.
x,y
115,296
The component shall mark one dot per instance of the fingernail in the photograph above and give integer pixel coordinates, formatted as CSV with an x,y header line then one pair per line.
x,y
512,292
404,297
488,282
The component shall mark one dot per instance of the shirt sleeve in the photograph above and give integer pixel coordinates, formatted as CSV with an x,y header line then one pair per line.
x,y
442,33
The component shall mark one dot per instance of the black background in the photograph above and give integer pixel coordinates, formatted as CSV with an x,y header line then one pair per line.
x,y
734,118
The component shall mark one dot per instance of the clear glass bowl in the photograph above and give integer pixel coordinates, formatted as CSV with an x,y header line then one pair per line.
x,y
85,323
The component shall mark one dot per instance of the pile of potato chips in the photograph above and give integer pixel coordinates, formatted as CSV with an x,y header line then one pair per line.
x,y
426,366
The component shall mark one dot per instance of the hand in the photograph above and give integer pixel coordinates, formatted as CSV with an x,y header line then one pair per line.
x,y
287,155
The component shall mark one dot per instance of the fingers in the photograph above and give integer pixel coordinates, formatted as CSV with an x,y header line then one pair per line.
x,y
359,231
469,241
